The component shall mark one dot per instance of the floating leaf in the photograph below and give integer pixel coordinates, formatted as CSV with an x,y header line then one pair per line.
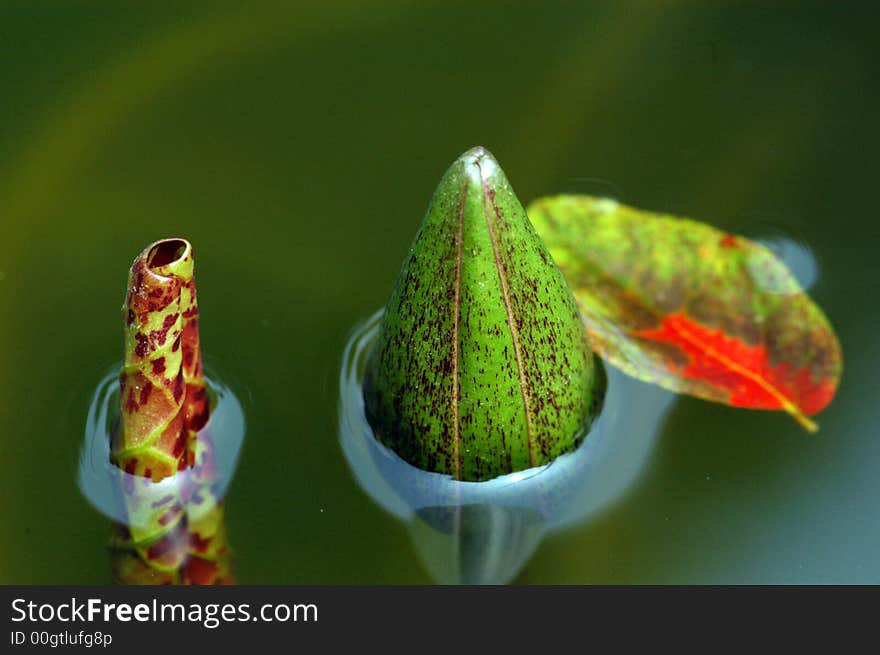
x,y
482,365
694,309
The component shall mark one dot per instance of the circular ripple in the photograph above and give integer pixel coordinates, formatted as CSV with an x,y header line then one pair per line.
x,y
100,481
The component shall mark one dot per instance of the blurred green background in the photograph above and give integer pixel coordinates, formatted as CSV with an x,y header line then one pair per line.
x,y
298,147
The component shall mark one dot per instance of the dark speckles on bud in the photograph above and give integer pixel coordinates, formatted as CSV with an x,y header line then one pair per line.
x,y
482,365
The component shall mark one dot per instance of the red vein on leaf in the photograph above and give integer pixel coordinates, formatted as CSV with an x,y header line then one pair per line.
x,y
693,339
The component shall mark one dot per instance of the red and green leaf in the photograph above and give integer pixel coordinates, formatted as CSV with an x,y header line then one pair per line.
x,y
696,310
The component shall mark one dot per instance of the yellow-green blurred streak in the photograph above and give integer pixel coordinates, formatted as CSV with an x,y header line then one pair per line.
x,y
78,127
593,72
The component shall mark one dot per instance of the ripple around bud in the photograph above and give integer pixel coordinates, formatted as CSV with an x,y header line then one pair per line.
x,y
101,481
497,524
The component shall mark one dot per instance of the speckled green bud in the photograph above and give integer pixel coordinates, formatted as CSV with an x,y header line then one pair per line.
x,y
482,365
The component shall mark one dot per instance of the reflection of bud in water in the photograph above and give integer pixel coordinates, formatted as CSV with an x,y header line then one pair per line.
x,y
482,365
174,530
485,532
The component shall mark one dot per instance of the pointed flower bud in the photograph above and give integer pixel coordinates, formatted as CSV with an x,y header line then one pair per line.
x,y
482,365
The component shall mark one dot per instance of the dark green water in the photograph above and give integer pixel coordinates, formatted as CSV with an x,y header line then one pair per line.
x,y
297,149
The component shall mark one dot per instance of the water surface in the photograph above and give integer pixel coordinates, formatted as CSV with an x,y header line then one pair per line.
x,y
297,149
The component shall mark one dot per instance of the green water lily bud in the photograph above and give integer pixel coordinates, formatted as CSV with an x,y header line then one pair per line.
x,y
482,365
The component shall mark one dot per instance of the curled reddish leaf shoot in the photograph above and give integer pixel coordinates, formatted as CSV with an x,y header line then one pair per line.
x,y
175,531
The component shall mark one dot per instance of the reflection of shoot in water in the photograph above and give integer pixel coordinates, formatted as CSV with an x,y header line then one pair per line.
x,y
174,531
